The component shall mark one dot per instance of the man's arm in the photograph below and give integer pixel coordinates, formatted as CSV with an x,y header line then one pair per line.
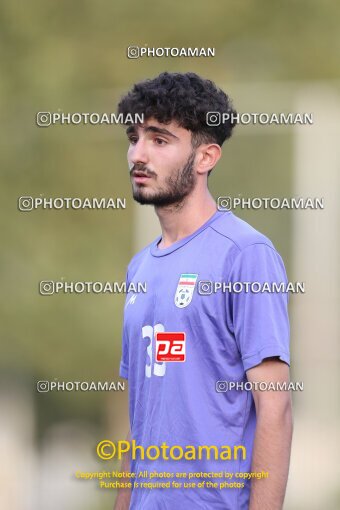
x,y
273,436
124,495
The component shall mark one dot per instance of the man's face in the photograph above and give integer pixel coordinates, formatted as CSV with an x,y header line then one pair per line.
x,y
161,163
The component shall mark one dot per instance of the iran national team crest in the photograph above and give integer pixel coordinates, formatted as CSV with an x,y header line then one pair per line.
x,y
185,290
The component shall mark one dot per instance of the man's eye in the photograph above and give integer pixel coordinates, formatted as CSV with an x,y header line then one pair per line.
x,y
132,140
160,141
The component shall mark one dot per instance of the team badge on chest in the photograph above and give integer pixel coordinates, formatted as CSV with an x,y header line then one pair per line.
x,y
185,290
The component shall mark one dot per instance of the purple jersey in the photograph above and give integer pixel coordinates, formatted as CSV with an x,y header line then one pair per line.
x,y
226,333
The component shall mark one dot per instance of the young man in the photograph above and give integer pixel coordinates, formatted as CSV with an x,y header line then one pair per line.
x,y
228,336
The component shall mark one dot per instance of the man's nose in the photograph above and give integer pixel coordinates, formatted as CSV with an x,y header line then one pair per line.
x,y
138,153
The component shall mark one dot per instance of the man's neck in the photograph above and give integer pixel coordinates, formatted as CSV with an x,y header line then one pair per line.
x,y
180,221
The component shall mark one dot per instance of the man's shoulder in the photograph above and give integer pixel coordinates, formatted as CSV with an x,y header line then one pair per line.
x,y
139,256
238,231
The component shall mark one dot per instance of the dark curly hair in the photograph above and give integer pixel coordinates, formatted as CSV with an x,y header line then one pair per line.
x,y
185,98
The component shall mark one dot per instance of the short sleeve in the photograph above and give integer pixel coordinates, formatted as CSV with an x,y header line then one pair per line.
x,y
260,319
124,361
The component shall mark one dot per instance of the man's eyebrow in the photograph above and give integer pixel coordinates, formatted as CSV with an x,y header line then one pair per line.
x,y
161,131
153,129
130,129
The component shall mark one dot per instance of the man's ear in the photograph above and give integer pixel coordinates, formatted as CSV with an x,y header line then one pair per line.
x,y
207,157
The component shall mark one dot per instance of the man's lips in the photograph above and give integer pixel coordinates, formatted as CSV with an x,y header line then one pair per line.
x,y
140,177
139,174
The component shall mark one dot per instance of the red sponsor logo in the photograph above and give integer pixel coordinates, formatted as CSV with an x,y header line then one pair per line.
x,y
170,346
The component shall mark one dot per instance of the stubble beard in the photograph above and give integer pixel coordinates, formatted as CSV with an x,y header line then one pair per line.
x,y
177,187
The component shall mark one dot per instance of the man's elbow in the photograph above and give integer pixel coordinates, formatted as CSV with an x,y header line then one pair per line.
x,y
276,409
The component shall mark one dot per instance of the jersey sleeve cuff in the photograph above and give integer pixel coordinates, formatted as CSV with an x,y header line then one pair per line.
x,y
123,370
251,360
